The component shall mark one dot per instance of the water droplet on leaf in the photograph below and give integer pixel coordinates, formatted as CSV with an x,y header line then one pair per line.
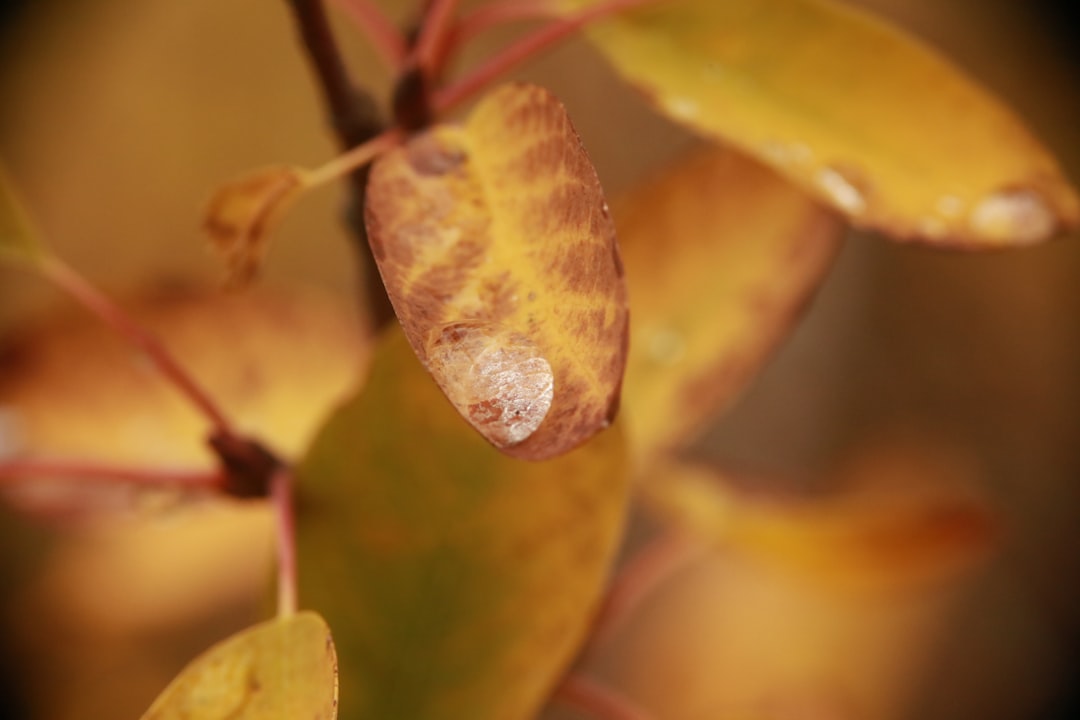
x,y
496,378
1021,216
841,191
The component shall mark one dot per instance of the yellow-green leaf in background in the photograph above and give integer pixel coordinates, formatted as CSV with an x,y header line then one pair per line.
x,y
721,257
459,581
18,239
869,539
499,256
283,668
867,119
242,213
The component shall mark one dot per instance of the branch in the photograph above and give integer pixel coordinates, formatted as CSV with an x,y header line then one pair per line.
x,y
355,120
602,703
75,285
25,470
526,48
385,38
643,573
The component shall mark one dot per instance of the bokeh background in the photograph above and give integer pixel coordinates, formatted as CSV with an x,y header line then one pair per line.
x,y
118,117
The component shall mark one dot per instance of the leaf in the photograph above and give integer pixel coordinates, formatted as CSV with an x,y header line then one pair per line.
x,y
852,110
242,213
499,256
18,239
284,668
721,257
459,581
874,539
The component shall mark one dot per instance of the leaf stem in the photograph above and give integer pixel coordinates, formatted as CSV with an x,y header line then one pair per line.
x,y
355,119
525,48
430,47
387,41
17,470
641,575
594,699
281,495
498,13
76,286
350,160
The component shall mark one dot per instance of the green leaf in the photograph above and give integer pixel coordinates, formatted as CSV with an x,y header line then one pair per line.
x,y
18,239
459,581
283,668
497,250
855,112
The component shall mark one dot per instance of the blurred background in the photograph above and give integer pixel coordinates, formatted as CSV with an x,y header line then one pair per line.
x,y
117,118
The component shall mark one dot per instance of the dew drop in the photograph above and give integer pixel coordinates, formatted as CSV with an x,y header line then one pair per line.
x,y
1020,216
682,108
665,346
950,206
787,154
496,378
841,191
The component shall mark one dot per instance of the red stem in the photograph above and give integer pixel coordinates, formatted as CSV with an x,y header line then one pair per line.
x,y
281,495
596,700
387,41
494,14
434,34
68,280
16,470
645,571
524,49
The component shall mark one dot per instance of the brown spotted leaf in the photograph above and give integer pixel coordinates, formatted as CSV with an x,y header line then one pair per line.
x,y
497,251
460,582
721,257
862,116
284,668
18,240
242,213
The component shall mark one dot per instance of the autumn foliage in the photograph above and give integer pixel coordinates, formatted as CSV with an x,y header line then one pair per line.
x,y
456,516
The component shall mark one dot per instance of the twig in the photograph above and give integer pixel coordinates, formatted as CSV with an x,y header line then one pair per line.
x,y
355,120
494,14
68,280
281,494
602,703
387,41
643,573
526,48
24,470
435,31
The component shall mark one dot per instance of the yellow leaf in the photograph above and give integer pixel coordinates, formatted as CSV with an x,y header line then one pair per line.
x,y
498,253
872,539
721,257
18,240
459,581
242,213
284,668
855,112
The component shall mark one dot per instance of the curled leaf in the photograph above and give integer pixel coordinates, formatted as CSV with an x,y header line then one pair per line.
x,y
721,257
459,581
18,240
284,668
242,213
860,115
498,253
